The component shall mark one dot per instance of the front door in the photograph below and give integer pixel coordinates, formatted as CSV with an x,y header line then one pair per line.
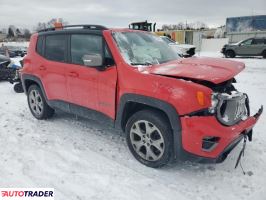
x,y
245,48
107,84
82,80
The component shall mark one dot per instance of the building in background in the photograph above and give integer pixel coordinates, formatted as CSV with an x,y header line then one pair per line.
x,y
241,28
193,37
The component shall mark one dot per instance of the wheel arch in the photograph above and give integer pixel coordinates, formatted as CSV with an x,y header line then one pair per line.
x,y
28,80
230,49
132,103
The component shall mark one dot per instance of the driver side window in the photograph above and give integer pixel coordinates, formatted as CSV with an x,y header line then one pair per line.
x,y
82,45
247,42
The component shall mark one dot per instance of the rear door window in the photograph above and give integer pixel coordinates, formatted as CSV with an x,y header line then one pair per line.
x,y
258,41
85,45
55,47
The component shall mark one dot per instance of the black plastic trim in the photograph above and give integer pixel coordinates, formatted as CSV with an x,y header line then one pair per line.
x,y
167,108
200,159
82,112
28,77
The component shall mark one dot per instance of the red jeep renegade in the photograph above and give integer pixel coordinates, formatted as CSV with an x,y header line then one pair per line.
x,y
169,107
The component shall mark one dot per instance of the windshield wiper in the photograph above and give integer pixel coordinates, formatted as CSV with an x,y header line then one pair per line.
x,y
145,63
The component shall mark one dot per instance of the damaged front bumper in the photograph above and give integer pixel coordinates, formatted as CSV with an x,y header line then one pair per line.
x,y
205,139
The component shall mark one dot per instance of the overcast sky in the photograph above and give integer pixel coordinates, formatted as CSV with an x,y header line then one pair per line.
x,y
119,13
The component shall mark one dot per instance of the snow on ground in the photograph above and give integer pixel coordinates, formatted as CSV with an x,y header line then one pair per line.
x,y
83,160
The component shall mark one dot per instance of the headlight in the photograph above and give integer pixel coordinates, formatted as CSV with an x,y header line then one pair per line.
x,y
214,102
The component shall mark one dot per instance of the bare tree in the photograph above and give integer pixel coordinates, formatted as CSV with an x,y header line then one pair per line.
x,y
27,33
50,23
183,26
11,31
198,25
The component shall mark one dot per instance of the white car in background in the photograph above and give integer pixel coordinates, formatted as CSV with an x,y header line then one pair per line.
x,y
183,50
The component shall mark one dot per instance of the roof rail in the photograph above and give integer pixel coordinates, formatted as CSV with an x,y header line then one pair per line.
x,y
84,26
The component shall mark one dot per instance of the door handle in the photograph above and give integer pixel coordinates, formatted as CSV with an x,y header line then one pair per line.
x,y
73,74
42,68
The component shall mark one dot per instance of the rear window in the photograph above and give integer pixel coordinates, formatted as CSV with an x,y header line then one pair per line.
x,y
55,47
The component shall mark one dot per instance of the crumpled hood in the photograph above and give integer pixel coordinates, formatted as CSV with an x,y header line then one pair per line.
x,y
215,70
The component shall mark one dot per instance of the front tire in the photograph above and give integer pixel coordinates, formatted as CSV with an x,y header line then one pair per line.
x,y
149,138
230,54
37,103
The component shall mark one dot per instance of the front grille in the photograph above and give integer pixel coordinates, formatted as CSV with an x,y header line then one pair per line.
x,y
232,108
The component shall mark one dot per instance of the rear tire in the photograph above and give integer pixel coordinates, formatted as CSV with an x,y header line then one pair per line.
x,y
264,54
37,103
18,88
149,138
230,54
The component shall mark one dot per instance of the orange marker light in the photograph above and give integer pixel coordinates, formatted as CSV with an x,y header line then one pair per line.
x,y
200,97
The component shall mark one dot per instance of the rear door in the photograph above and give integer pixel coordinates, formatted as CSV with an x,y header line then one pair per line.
x,y
51,68
258,46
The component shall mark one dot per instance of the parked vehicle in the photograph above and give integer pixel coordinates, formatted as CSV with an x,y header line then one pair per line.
x,y
6,70
23,50
183,50
248,47
13,51
16,80
169,107
4,50
19,51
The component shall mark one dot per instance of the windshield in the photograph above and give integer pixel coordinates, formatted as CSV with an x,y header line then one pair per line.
x,y
140,48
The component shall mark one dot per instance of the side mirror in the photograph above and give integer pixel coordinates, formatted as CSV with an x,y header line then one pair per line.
x,y
93,60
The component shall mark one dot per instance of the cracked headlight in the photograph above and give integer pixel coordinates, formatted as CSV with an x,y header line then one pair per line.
x,y
214,102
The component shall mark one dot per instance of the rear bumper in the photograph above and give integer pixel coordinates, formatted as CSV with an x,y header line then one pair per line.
x,y
223,50
190,52
196,128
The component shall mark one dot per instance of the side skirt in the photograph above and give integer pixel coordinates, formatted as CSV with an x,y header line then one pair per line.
x,y
82,112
